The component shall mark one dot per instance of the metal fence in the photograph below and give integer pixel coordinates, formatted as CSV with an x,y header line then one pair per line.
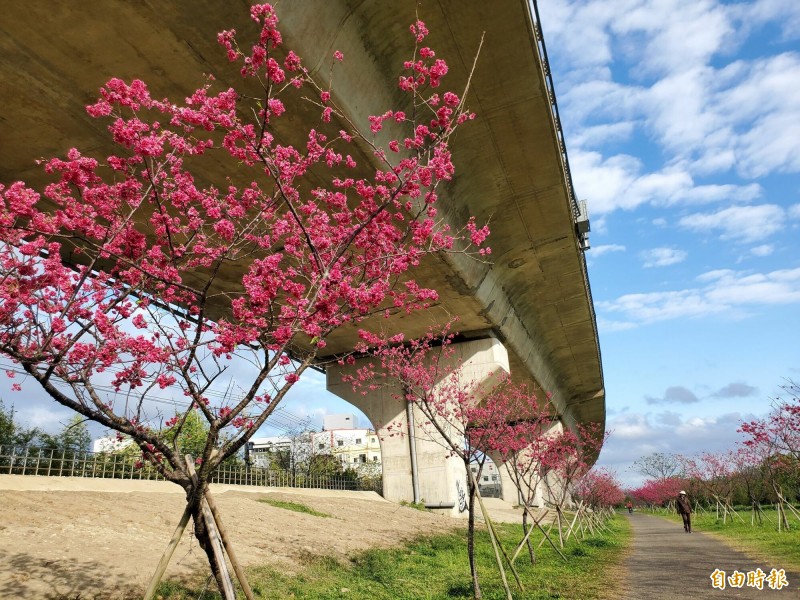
x,y
51,462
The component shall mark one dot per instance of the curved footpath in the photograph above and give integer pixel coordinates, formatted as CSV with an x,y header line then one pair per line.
x,y
668,563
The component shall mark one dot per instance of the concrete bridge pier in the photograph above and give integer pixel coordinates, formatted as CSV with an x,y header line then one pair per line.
x,y
417,467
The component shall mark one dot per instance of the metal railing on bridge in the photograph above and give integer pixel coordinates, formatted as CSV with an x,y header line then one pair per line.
x,y
52,462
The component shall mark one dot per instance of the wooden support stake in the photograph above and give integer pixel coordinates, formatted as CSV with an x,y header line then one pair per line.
x,y
168,552
216,542
219,551
491,536
528,534
572,525
237,568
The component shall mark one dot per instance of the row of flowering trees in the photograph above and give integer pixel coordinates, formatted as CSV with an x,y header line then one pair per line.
x,y
763,468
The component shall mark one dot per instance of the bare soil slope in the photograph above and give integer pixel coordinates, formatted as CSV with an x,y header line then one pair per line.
x,y
103,538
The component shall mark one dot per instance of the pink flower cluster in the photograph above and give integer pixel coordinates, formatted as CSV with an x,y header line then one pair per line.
x,y
600,488
659,492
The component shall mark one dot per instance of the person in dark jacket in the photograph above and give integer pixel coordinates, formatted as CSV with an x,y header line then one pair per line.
x,y
685,511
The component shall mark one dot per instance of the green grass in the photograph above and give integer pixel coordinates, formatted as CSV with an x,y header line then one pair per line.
x,y
781,549
437,568
295,506
414,505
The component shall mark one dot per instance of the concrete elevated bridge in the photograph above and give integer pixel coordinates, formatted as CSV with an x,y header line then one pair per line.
x,y
529,312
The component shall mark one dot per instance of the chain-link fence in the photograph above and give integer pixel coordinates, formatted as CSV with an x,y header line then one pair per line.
x,y
59,462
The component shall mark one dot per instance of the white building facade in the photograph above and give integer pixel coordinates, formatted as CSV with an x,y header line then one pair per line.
x,y
340,437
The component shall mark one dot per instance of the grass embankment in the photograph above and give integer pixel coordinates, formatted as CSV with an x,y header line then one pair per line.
x,y
764,541
437,568
295,507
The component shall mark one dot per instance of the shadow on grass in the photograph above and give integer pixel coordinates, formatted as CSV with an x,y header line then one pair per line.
x,y
460,590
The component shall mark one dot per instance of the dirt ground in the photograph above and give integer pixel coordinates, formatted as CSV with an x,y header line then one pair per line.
x,y
69,539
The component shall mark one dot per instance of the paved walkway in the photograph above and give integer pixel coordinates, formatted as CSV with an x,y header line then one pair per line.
x,y
668,563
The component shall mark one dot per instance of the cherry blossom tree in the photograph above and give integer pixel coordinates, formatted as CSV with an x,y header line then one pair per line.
x,y
568,456
521,447
535,457
597,493
775,439
467,418
134,273
778,433
750,466
659,491
714,475
782,427
470,418
600,489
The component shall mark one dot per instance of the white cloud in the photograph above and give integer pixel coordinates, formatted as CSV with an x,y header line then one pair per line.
x,y
561,18
603,100
604,181
632,427
675,110
677,32
598,135
50,416
618,182
772,142
683,89
742,116
610,326
704,194
741,223
661,306
785,13
727,292
607,248
794,211
777,287
762,250
715,275
662,257
634,435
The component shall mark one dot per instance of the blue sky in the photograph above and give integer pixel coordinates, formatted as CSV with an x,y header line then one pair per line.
x,y
682,122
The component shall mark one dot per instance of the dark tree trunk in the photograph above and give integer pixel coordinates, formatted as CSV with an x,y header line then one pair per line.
x,y
527,538
204,539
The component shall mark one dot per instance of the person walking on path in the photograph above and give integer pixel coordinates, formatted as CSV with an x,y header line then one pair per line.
x,y
685,511
665,565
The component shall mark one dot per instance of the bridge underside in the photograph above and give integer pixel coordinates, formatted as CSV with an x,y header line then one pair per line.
x,y
533,297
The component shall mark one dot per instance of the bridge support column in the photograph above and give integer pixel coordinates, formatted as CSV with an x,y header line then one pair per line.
x,y
442,480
